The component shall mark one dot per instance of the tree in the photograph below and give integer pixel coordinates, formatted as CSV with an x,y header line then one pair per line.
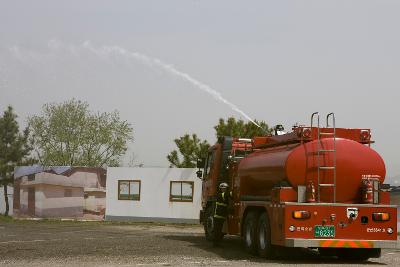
x,y
190,148
238,128
68,134
14,149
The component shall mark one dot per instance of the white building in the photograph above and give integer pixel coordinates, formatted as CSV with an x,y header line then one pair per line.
x,y
60,192
153,194
10,191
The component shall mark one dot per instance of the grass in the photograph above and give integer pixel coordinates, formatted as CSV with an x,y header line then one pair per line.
x,y
8,219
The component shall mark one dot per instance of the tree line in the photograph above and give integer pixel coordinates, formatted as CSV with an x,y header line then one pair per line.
x,y
190,147
66,134
69,134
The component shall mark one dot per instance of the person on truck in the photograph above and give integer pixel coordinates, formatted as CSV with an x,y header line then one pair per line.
x,y
279,130
221,211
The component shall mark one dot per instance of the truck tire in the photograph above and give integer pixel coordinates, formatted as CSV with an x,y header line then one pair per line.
x,y
249,232
264,246
358,254
209,223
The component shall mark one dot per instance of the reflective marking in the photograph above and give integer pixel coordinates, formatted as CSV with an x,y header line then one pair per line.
x,y
352,244
346,244
328,243
366,244
339,243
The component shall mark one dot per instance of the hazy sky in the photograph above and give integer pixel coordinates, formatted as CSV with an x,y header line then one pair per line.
x,y
278,61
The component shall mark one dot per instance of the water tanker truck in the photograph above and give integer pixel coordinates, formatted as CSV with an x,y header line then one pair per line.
x,y
314,187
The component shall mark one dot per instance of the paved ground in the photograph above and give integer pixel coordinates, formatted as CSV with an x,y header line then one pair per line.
x,y
24,243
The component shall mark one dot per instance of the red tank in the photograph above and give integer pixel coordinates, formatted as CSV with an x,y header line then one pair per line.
x,y
296,164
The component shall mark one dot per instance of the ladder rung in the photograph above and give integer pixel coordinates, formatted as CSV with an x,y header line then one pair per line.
x,y
327,150
326,133
326,184
327,168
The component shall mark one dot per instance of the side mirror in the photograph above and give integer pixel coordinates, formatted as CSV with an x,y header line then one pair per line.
x,y
199,174
200,163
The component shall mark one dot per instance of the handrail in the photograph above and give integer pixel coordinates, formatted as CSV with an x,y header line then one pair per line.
x,y
312,118
334,148
318,151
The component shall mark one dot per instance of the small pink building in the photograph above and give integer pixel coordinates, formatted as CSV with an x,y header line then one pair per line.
x,y
60,192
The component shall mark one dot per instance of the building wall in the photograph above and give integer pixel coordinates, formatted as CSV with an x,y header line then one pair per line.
x,y
154,203
10,200
51,201
88,179
95,203
77,192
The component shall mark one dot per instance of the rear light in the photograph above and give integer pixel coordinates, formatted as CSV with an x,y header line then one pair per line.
x,y
365,135
307,133
390,230
301,214
381,216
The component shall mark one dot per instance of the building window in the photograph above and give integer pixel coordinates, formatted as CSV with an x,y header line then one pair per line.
x,y
181,191
67,192
129,190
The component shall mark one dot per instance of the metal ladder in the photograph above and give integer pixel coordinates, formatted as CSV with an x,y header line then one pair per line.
x,y
321,151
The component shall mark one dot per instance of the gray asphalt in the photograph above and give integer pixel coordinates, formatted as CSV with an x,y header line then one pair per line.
x,y
30,243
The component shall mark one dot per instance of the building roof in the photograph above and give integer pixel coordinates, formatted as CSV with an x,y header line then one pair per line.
x,y
28,170
60,170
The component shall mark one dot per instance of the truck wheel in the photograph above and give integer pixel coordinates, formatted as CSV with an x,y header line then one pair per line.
x,y
264,247
209,223
249,232
358,254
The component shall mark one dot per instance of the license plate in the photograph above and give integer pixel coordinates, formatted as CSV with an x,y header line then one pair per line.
x,y
324,231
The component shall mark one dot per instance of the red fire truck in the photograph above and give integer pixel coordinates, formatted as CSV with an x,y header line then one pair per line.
x,y
315,187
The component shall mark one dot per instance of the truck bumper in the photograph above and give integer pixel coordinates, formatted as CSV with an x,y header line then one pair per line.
x,y
340,243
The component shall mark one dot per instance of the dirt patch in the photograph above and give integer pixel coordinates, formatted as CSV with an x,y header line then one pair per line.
x,y
56,243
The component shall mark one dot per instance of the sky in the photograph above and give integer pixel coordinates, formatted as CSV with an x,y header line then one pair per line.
x,y
277,61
